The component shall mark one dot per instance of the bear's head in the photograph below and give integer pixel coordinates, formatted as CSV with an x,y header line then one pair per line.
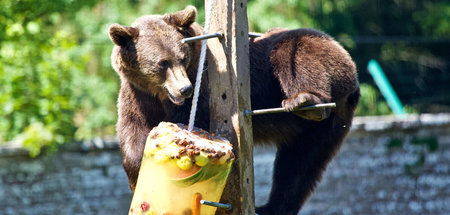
x,y
150,56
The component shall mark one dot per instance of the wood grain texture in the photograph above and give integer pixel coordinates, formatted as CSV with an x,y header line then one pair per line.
x,y
229,83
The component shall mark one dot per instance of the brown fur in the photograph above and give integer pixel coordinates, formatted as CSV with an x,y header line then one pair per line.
x,y
292,68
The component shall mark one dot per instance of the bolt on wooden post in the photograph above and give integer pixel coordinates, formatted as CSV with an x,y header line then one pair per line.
x,y
229,83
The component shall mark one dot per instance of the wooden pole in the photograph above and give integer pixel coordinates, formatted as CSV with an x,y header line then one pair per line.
x,y
229,83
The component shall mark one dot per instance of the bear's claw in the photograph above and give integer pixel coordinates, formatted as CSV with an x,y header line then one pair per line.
x,y
305,99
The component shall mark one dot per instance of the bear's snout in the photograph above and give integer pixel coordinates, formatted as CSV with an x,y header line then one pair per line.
x,y
178,85
187,91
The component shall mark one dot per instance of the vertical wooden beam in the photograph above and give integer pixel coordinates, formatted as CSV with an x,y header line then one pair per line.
x,y
229,83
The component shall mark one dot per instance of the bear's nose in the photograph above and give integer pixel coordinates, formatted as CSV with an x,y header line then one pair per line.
x,y
186,91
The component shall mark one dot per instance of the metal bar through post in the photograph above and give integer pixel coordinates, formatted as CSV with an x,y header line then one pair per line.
x,y
202,37
216,204
252,34
282,110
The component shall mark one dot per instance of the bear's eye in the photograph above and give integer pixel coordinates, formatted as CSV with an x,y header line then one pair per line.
x,y
164,64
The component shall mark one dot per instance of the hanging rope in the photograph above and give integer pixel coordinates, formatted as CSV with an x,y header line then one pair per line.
x,y
201,63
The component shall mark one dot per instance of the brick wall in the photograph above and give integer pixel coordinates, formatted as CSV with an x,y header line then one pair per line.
x,y
386,166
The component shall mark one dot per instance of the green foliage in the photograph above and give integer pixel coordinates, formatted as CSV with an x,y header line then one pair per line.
x,y
371,103
39,62
278,13
36,136
434,18
43,75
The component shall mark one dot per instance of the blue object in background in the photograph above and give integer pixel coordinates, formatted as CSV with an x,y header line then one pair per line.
x,y
385,88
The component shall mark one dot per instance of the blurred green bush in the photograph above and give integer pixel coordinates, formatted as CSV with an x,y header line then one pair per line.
x,y
371,102
42,73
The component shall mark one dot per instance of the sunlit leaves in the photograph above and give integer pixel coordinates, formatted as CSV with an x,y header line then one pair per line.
x,y
371,102
37,74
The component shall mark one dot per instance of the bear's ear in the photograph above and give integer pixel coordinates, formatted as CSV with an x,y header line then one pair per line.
x,y
182,18
120,35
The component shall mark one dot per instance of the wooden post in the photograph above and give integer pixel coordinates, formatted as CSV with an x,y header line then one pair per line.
x,y
229,83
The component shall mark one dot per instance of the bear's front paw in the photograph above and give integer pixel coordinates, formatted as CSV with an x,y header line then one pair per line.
x,y
302,100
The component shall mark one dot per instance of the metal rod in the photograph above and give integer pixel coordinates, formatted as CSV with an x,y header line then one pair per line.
x,y
282,110
216,204
252,34
202,37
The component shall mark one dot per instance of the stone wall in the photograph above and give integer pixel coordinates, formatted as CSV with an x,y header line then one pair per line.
x,y
386,166
76,180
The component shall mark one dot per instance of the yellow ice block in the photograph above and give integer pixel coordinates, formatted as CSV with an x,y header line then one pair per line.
x,y
178,168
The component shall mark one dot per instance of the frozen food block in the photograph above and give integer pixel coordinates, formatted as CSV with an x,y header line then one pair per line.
x,y
179,166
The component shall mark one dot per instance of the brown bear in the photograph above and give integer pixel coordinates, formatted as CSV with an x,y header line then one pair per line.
x,y
291,68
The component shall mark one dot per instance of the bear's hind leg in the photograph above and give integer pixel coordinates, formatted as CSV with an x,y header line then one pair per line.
x,y
297,169
302,100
